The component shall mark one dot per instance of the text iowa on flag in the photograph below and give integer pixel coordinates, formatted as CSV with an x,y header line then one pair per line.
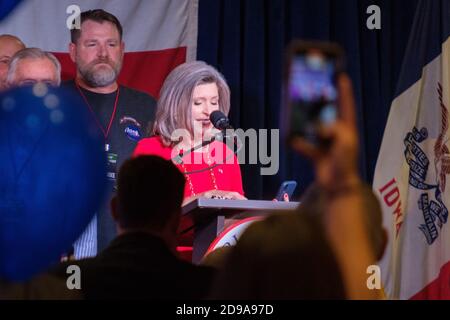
x,y
158,34
412,176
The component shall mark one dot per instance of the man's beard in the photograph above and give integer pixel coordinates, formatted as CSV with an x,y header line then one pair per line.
x,y
101,77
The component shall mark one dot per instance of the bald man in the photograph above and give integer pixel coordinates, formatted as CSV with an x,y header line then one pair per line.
x,y
9,45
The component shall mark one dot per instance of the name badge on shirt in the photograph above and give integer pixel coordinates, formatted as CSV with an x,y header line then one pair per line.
x,y
112,163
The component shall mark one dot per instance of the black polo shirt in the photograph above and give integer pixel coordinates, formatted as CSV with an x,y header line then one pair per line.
x,y
128,114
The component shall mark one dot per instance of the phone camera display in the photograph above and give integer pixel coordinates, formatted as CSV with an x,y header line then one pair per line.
x,y
312,92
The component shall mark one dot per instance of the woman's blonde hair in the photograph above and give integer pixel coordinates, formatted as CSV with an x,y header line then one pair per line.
x,y
174,105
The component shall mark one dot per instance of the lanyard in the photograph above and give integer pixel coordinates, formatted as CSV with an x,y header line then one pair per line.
x,y
105,133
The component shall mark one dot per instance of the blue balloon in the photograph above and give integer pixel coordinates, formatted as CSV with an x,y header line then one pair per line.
x,y
52,176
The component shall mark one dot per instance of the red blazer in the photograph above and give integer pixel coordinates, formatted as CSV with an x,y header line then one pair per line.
x,y
226,175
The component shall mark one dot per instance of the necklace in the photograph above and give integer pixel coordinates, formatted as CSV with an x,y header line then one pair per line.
x,y
188,178
105,132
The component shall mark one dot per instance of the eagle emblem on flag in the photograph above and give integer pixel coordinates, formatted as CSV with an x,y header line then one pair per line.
x,y
434,211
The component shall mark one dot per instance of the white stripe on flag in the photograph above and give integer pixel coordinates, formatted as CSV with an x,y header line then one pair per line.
x,y
148,25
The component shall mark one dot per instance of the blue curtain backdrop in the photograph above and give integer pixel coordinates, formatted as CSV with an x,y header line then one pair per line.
x,y
246,39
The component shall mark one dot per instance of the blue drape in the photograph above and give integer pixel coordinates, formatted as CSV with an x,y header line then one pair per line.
x,y
245,40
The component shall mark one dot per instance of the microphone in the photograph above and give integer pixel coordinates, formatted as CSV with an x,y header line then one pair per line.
x,y
222,123
219,120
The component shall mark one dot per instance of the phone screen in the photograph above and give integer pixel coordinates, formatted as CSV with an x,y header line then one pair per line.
x,y
312,92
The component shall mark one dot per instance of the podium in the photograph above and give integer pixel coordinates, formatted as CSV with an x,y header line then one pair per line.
x,y
204,219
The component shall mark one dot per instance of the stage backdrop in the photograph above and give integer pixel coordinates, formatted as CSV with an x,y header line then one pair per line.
x,y
158,34
245,39
401,69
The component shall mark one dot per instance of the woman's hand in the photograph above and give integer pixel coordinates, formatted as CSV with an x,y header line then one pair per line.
x,y
285,198
216,194
222,194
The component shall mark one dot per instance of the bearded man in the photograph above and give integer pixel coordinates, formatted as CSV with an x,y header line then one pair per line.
x,y
122,114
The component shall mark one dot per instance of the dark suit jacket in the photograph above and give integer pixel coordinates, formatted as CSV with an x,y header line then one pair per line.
x,y
140,266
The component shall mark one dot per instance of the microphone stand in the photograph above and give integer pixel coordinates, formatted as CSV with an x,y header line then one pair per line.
x,y
179,158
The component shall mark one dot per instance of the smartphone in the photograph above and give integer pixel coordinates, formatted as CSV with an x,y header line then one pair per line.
x,y
310,88
286,187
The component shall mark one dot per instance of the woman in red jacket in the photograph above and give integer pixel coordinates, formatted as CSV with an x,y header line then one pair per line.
x,y
190,93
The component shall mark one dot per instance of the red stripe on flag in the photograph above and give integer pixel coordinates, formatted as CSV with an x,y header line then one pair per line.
x,y
147,70
438,289
143,71
68,70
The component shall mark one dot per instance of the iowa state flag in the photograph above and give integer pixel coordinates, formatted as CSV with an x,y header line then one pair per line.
x,y
412,176
158,34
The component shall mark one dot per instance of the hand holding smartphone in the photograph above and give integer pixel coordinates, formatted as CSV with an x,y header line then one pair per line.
x,y
288,188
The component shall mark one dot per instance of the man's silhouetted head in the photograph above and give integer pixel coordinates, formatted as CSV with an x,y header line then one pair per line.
x,y
149,196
